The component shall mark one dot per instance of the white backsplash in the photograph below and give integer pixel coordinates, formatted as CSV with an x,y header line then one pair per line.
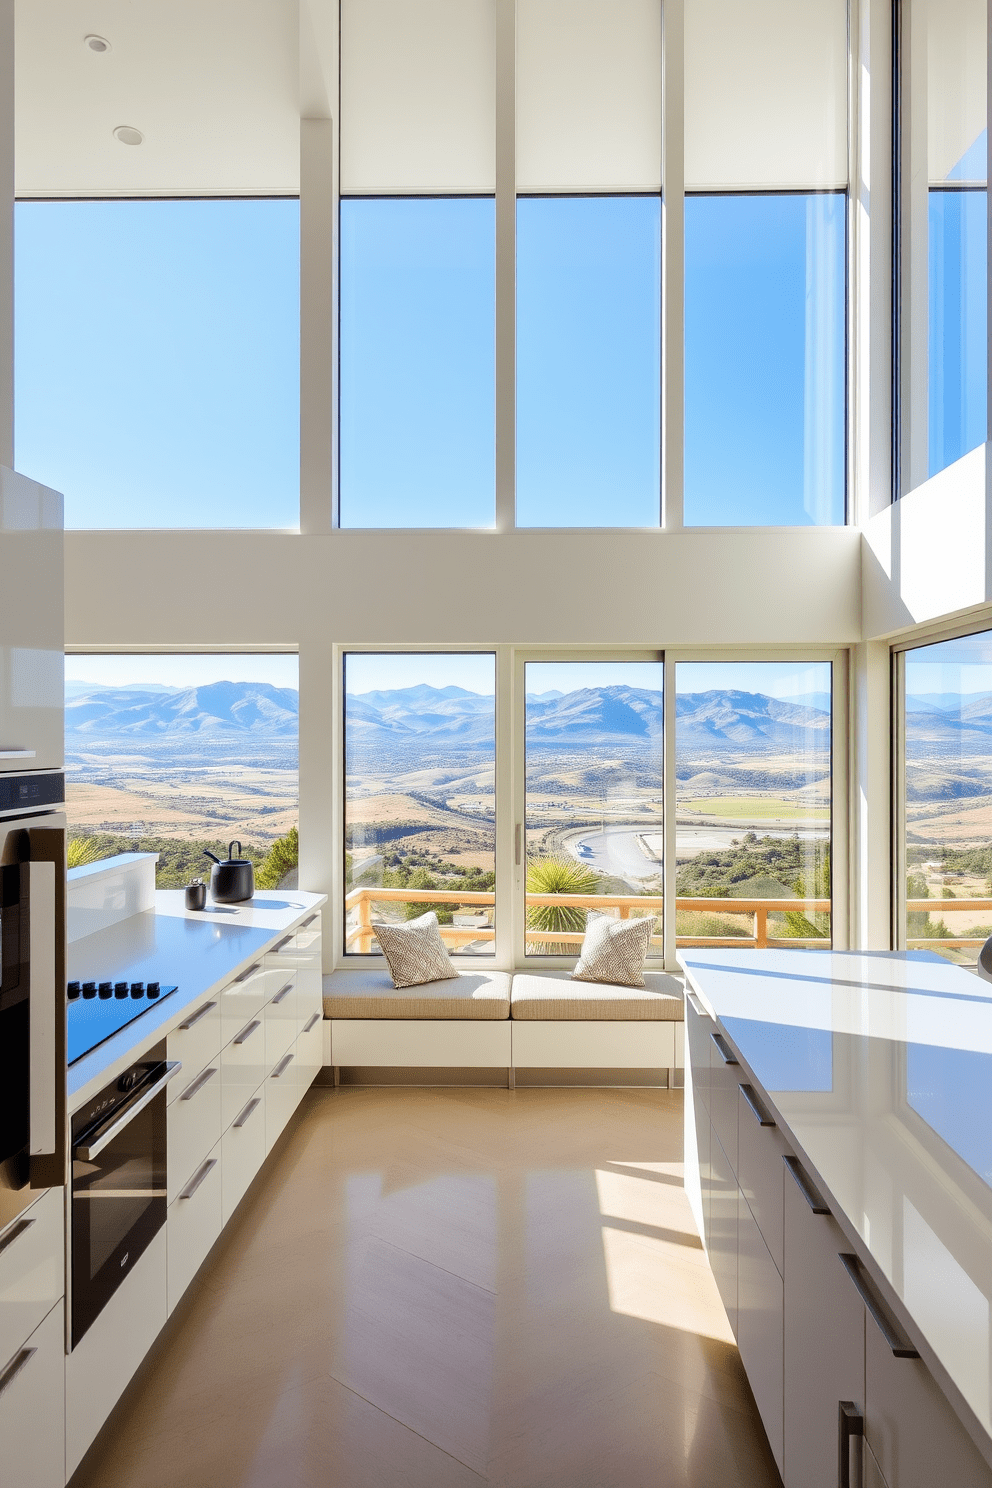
x,y
102,894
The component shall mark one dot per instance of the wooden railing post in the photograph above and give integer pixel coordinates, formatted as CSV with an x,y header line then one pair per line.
x,y
761,927
365,923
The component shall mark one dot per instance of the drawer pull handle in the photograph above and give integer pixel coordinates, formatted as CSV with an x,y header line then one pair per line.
x,y
850,1424
314,1018
13,1369
697,1006
279,945
722,1049
249,973
197,1085
890,1331
15,1232
247,1032
308,922
281,994
283,1065
809,1193
248,1111
202,1012
201,1173
758,1111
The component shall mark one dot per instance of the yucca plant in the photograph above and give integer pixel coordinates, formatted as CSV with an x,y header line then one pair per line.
x,y
557,876
82,850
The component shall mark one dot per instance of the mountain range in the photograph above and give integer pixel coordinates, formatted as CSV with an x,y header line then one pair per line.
x,y
221,708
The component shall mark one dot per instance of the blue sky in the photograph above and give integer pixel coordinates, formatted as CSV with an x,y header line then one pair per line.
x,y
957,324
182,671
962,665
372,672
778,679
157,360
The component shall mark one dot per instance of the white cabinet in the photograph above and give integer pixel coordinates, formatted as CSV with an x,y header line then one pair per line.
x,y
194,1043
723,1200
824,1336
32,1408
761,1170
194,1222
725,1074
32,1269
32,584
243,999
282,1096
194,1125
759,1326
309,1051
281,1020
242,1152
243,1067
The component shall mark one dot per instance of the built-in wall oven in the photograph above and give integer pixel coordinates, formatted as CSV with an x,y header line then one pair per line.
x,y
118,1182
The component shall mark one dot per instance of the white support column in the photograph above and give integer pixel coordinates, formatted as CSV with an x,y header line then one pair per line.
x,y
506,266
321,773
509,810
318,327
672,265
871,799
7,232
668,804
913,251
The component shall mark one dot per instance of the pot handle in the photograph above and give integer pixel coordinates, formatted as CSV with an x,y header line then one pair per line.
x,y
208,854
230,849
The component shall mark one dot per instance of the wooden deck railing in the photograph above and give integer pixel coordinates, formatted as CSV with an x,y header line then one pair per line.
x,y
359,933
938,908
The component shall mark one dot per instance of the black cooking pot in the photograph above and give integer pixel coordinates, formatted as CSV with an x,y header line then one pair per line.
x,y
232,879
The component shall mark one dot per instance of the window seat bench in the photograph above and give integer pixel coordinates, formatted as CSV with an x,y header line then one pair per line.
x,y
539,1020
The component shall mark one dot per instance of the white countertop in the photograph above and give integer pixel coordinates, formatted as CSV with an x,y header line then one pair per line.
x,y
198,950
880,1068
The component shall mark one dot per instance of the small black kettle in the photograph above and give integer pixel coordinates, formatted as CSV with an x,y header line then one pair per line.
x,y
232,879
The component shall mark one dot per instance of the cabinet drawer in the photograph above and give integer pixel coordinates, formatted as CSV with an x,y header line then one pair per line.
x,y
309,994
32,1269
724,1195
243,1068
281,1020
282,1096
698,1027
309,1051
282,955
195,1042
242,1152
194,1222
917,1439
725,1074
32,1408
193,1126
760,1326
760,1169
242,999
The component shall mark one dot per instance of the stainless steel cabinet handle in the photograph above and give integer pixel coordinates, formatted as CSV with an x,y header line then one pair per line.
x,y
100,1136
314,1018
279,944
809,1193
758,1111
850,1424
723,1050
249,973
15,1232
202,1012
203,1078
10,1372
309,921
697,1006
246,1032
198,1177
281,994
248,1111
889,1329
283,1065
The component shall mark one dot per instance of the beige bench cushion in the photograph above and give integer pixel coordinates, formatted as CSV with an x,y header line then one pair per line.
x,y
369,993
551,996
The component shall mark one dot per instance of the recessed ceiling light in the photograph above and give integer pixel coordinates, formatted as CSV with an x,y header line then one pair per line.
x,y
128,135
97,43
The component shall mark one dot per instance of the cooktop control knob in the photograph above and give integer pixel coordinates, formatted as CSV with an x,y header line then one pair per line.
x,y
74,990
106,989
89,989
121,989
137,989
154,988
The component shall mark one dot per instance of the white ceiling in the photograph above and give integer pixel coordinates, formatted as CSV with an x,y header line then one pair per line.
x,y
213,85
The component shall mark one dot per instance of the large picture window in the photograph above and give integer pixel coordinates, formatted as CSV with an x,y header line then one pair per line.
x,y
173,754
157,360
420,804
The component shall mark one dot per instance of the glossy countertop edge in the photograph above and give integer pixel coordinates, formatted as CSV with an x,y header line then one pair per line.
x,y
972,1424
109,1059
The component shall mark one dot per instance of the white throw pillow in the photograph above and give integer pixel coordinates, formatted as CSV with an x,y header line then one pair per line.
x,y
415,952
614,950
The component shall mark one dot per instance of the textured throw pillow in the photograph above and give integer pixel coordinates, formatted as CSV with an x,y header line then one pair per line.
x,y
614,950
415,952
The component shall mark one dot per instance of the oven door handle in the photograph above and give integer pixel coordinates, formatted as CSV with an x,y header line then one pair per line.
x,y
105,1135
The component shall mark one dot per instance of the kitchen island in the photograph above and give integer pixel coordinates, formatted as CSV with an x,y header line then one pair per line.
x,y
838,1160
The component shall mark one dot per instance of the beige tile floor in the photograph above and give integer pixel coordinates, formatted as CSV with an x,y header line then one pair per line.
x,y
445,1288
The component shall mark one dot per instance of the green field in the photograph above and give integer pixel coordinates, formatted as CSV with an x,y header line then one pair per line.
x,y
756,808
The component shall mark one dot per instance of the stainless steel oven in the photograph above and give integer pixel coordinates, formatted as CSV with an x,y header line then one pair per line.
x,y
118,1182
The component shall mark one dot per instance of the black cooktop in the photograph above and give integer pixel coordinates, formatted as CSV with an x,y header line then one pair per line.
x,y
98,1010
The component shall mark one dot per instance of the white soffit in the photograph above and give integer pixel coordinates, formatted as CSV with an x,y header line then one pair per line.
x,y
765,94
418,96
212,85
588,95
956,38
